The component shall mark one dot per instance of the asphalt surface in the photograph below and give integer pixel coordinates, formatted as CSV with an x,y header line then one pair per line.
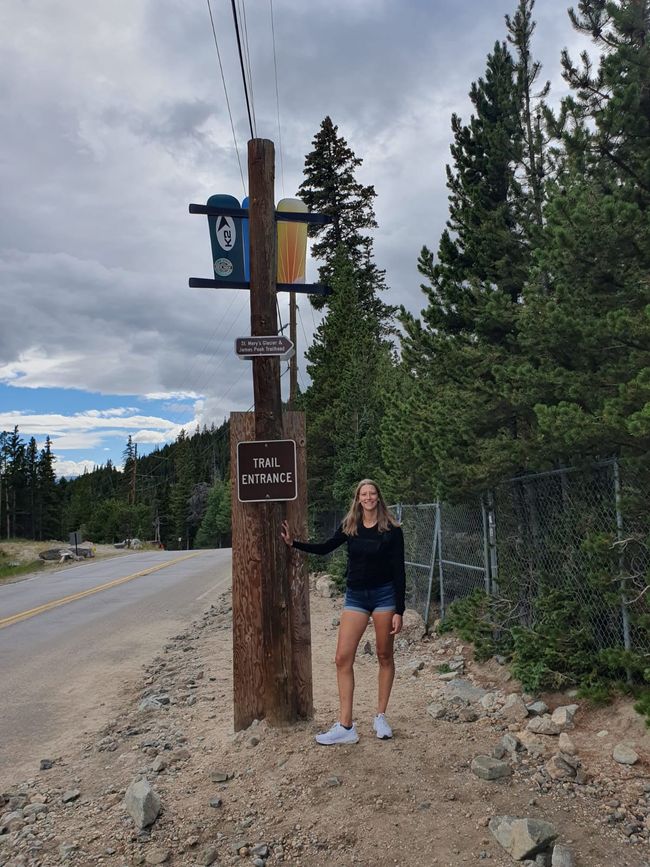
x,y
72,641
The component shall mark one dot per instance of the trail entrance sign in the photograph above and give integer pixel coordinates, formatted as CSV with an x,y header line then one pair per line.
x,y
266,471
259,346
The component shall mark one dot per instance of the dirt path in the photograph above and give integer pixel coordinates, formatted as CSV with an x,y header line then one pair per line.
x,y
412,801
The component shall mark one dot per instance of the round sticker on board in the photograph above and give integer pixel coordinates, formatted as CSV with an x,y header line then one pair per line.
x,y
223,267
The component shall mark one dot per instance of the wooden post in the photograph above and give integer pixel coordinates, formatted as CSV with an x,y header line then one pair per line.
x,y
277,675
293,361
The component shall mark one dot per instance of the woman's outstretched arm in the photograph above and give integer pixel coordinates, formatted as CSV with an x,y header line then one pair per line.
x,y
338,539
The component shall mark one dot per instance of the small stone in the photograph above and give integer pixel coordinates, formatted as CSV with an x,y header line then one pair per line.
x,y
562,856
510,743
563,716
156,856
566,744
220,776
514,709
469,715
448,675
558,768
66,850
602,733
331,782
488,768
208,856
216,802
260,849
70,795
543,725
435,710
142,803
158,765
624,755
522,838
46,764
537,708
254,741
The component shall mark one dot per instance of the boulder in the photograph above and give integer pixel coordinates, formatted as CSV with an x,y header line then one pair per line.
x,y
142,803
543,725
514,709
563,716
413,628
489,768
522,838
624,755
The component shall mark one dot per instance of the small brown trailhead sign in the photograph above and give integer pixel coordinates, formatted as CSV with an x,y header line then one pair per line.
x,y
266,471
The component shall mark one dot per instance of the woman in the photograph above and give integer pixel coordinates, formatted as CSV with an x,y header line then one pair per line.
x,y
375,588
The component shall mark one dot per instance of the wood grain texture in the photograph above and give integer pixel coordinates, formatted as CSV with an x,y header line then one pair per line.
x,y
296,515
247,650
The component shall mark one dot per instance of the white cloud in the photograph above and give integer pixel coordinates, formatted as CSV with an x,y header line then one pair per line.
x,y
71,469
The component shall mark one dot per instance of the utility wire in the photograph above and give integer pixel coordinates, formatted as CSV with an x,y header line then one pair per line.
x,y
241,63
277,99
249,68
225,90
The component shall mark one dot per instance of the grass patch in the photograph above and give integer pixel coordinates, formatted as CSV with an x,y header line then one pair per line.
x,y
8,571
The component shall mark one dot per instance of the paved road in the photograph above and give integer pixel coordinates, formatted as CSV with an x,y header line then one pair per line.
x,y
70,641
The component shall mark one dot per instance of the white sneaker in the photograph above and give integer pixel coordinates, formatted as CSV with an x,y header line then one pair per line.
x,y
380,725
338,734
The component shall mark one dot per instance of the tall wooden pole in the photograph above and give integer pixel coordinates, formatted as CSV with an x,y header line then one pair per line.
x,y
277,679
293,361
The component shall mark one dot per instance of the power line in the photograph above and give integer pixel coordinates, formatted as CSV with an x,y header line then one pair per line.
x,y
249,68
241,63
225,90
277,98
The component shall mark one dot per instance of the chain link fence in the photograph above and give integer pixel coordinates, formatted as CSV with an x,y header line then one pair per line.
x,y
578,538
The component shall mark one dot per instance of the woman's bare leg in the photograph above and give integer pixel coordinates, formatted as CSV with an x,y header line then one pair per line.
x,y
383,621
353,625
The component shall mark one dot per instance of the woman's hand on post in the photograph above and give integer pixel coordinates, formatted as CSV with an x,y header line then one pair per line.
x,y
397,624
286,535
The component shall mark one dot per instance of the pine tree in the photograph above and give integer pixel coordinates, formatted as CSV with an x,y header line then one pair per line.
x,y
349,363
216,524
470,424
330,187
590,335
31,485
49,507
181,491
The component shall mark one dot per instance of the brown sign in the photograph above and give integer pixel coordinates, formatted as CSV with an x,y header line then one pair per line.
x,y
261,345
266,471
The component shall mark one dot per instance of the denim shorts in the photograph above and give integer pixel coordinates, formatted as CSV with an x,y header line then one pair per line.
x,y
366,601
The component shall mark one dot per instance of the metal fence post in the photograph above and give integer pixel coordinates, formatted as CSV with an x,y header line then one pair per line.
x,y
492,540
440,572
619,535
486,544
436,532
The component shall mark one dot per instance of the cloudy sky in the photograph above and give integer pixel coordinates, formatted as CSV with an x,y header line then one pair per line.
x,y
114,119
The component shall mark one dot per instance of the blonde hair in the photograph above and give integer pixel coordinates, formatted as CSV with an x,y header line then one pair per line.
x,y
385,518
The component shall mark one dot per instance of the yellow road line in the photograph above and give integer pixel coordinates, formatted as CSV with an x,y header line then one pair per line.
x,y
24,615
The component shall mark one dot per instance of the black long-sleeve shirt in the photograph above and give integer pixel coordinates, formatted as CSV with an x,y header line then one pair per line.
x,y
374,558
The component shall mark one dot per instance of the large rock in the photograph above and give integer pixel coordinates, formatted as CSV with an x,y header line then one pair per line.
x,y
522,838
533,745
625,755
563,716
142,803
514,709
562,857
413,628
463,689
558,768
543,725
489,768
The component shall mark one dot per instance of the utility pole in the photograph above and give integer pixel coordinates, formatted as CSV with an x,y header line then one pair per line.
x,y
134,473
275,592
293,361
